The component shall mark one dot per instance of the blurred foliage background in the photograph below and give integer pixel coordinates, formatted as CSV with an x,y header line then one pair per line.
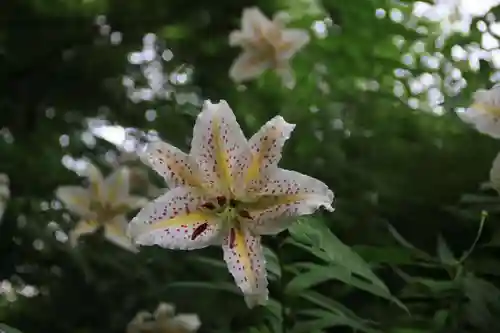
x,y
409,248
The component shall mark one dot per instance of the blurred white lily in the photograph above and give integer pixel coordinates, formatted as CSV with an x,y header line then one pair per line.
x,y
484,113
104,203
266,45
4,193
495,174
164,321
227,191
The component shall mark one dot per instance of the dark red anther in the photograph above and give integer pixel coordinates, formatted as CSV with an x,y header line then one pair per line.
x,y
208,205
221,201
245,214
232,238
199,230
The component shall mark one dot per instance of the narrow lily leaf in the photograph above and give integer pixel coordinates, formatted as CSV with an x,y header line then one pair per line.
x,y
7,329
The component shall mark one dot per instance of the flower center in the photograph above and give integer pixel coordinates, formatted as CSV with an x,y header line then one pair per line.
x,y
230,213
105,212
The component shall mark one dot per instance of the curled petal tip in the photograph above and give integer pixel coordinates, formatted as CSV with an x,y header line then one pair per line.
x,y
253,300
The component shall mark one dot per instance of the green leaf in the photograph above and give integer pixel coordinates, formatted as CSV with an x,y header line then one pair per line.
x,y
325,320
7,329
325,245
400,239
467,253
326,302
272,262
319,274
444,252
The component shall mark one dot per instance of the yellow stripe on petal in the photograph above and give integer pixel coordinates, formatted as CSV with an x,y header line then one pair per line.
x,y
171,163
266,146
185,221
246,263
240,248
491,109
221,155
217,144
175,221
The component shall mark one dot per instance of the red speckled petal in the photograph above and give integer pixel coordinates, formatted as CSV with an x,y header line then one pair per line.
x,y
171,220
266,146
245,260
170,163
217,147
288,194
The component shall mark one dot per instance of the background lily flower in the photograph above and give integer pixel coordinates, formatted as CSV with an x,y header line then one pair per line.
x,y
266,45
228,191
484,113
104,203
164,321
4,193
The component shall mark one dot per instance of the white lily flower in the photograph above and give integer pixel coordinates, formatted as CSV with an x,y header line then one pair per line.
x,y
266,45
495,174
104,203
4,193
164,321
227,191
484,113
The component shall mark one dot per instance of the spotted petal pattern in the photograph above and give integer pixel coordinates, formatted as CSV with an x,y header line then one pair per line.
x,y
170,163
218,146
266,146
175,221
246,262
288,194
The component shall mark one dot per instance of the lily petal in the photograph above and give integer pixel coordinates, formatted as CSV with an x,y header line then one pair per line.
x,y
76,199
218,143
292,40
171,163
116,185
115,232
134,202
249,65
253,22
83,227
239,38
484,121
288,194
175,221
246,262
185,322
96,187
285,72
266,146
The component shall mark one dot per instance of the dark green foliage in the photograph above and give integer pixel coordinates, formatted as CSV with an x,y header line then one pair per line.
x,y
398,258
